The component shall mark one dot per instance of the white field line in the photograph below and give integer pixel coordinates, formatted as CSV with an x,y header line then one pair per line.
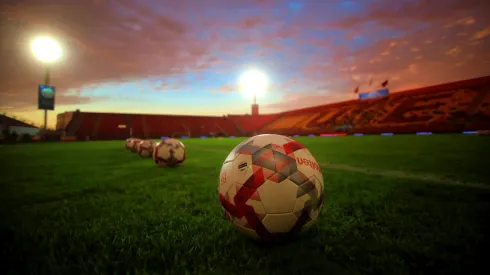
x,y
430,178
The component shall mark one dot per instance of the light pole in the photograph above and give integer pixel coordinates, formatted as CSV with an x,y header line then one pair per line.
x,y
254,83
47,50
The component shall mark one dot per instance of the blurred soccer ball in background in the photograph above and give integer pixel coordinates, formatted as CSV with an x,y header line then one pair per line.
x,y
145,148
169,152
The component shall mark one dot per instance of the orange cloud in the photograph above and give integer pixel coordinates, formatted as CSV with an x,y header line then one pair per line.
x,y
225,89
463,21
454,51
481,34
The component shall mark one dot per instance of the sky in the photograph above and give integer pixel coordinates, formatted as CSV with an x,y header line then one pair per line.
x,y
186,56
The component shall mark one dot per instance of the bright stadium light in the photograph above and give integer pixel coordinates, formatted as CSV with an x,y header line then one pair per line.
x,y
253,84
46,49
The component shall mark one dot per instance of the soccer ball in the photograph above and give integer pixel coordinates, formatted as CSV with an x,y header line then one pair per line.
x,y
271,186
128,143
134,145
145,148
169,152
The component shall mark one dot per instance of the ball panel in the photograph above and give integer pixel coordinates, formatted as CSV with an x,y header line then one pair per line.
x,y
300,203
243,204
246,231
144,153
304,217
226,179
160,155
257,205
241,168
310,196
319,185
278,198
152,143
145,149
127,143
235,152
256,179
134,144
245,196
307,164
240,221
280,223
307,208
179,153
265,139
161,152
277,158
253,221
292,146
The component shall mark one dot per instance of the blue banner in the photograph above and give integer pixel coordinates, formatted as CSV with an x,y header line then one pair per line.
x,y
46,97
375,94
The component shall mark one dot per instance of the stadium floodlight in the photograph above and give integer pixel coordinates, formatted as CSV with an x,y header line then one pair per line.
x,y
253,83
46,49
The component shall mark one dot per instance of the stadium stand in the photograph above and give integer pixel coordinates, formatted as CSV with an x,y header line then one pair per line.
x,y
110,126
250,124
451,107
137,125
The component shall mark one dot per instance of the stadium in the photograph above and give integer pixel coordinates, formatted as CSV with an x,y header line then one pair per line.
x,y
449,108
406,191
244,137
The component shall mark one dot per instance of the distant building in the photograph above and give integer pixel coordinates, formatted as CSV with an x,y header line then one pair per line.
x,y
14,125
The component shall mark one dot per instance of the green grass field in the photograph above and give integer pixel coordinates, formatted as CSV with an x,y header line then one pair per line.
x,y
394,205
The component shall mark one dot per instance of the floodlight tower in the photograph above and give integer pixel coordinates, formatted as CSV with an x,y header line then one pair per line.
x,y
254,83
255,106
48,51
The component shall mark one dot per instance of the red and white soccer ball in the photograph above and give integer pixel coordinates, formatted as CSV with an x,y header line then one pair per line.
x,y
169,152
145,148
271,186
128,143
134,145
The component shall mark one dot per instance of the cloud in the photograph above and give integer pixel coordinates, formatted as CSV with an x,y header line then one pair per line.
x,y
454,51
469,20
253,21
78,99
225,89
403,14
481,34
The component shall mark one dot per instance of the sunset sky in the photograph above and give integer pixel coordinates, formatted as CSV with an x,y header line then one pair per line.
x,y
186,56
